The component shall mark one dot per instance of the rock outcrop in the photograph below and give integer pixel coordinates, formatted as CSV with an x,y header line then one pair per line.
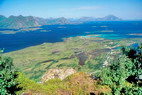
x,y
57,73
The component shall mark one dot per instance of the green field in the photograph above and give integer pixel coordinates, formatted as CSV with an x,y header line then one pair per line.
x,y
80,53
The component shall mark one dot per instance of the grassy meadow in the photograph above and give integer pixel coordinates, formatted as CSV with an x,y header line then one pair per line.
x,y
82,54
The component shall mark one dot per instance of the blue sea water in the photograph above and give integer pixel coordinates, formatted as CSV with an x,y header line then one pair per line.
x,y
55,33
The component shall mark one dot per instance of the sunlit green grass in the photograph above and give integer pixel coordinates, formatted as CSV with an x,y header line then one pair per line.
x,y
36,60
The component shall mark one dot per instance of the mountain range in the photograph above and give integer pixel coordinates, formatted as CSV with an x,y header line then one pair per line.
x,y
16,22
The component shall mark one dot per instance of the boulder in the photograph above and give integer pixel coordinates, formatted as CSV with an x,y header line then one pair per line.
x,y
57,73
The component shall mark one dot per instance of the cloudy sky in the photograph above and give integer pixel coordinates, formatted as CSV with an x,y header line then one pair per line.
x,y
126,9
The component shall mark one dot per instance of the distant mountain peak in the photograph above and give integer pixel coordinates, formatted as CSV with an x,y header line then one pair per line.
x,y
30,21
20,16
109,18
11,16
2,17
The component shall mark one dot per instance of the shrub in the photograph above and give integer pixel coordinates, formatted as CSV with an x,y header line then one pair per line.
x,y
122,75
7,76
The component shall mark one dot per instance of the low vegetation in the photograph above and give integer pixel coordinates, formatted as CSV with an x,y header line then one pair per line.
x,y
122,76
7,77
79,53
76,84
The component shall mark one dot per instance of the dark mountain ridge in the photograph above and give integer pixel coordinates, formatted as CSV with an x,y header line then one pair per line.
x,y
20,21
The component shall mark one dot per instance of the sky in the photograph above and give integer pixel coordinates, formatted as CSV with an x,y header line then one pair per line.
x,y
125,9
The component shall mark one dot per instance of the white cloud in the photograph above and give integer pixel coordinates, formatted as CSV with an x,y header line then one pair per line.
x,y
87,8
82,8
79,11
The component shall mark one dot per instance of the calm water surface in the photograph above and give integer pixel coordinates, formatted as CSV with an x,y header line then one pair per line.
x,y
110,30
